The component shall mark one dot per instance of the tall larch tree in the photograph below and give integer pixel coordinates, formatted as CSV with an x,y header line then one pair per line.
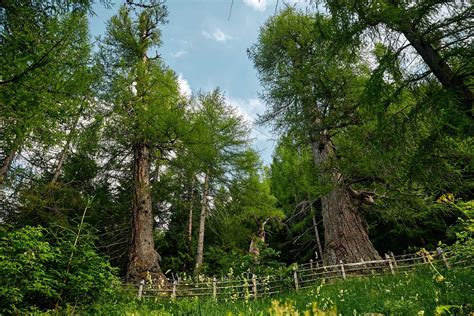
x,y
314,94
222,139
146,101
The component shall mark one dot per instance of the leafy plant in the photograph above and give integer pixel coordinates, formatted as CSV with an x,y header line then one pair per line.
x,y
38,271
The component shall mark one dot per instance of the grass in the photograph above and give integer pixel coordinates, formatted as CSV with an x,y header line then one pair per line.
x,y
421,292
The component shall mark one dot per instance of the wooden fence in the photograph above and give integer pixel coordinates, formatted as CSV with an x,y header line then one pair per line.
x,y
300,277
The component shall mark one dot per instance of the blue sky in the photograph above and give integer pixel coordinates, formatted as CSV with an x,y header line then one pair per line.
x,y
208,50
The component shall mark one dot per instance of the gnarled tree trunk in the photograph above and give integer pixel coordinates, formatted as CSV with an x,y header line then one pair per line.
x,y
143,260
345,235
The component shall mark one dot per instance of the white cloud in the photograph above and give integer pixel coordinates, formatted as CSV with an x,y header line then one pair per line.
x,y
262,5
259,5
184,87
248,108
218,35
178,54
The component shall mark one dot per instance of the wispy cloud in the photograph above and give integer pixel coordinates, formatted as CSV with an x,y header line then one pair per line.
x,y
217,35
262,5
179,54
248,108
184,87
259,5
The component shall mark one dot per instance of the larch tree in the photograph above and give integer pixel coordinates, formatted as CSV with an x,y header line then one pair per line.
x,y
223,138
437,32
312,93
44,75
147,106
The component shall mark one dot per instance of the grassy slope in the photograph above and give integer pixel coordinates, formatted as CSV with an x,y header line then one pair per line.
x,y
405,294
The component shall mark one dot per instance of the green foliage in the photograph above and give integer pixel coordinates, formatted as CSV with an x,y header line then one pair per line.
x,y
45,58
235,263
405,294
43,269
463,248
398,129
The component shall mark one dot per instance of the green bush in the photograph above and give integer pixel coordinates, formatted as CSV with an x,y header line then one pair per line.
x,y
220,262
42,270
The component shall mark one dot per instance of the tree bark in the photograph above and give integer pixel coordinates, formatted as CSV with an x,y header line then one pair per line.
x,y
143,260
439,67
65,150
202,225
345,236
190,216
257,241
6,163
316,235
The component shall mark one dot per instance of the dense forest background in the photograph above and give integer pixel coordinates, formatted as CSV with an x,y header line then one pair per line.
x,y
371,102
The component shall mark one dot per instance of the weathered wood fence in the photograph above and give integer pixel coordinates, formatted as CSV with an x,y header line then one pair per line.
x,y
299,277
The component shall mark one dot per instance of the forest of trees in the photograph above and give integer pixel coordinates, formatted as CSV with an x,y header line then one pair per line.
x,y
371,102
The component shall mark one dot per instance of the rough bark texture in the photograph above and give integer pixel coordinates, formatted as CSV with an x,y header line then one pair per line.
x,y
345,234
202,226
143,260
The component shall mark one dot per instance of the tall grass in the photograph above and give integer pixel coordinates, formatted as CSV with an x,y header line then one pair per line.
x,y
420,292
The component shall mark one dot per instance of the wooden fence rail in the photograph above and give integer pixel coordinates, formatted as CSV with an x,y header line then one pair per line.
x,y
300,277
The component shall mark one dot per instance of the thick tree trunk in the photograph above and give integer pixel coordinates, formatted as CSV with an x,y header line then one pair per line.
x,y
439,67
345,236
202,226
143,260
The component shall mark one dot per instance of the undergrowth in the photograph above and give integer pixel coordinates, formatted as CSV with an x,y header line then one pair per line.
x,y
421,292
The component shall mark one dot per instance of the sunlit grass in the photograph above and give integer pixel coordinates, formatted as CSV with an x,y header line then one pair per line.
x,y
412,293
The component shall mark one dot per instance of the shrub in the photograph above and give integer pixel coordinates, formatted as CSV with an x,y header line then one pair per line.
x,y
42,270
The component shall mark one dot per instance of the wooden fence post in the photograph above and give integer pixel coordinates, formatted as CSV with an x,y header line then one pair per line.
x,y
364,266
441,253
214,288
342,269
393,259
387,257
423,256
295,277
311,264
254,286
173,293
140,289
